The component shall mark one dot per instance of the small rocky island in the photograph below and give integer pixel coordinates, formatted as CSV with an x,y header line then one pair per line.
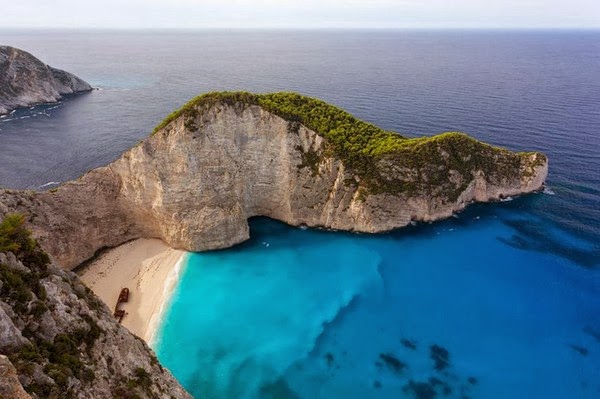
x,y
26,81
226,157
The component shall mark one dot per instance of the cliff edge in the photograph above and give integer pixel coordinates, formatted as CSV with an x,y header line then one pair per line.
x,y
58,340
25,81
225,157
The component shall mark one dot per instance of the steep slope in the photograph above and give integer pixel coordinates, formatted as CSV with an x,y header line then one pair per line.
x,y
25,81
60,339
225,157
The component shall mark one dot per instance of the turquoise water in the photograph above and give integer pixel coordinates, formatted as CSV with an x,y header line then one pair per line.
x,y
313,314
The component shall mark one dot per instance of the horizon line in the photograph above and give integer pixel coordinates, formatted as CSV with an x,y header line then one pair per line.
x,y
276,28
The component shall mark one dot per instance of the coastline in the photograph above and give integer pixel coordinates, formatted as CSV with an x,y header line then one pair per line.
x,y
149,268
166,294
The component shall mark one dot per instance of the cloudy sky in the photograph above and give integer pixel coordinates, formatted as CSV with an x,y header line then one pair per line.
x,y
370,14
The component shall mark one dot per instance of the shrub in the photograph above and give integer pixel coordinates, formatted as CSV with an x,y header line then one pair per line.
x,y
15,288
14,237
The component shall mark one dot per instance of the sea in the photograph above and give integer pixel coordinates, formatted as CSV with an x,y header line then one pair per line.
x,y
499,301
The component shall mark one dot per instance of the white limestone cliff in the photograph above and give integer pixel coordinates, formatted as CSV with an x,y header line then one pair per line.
x,y
195,183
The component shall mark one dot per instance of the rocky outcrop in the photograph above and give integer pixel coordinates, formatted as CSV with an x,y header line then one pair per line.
x,y
58,340
197,180
10,387
25,81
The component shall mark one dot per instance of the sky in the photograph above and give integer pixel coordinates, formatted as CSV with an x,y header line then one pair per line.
x,y
303,14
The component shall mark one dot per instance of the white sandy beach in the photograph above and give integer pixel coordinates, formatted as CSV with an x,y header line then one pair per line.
x,y
149,268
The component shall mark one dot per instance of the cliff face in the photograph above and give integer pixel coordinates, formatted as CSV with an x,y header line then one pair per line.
x,y
76,220
58,340
25,81
197,180
10,387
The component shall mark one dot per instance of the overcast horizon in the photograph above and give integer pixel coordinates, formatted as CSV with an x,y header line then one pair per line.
x,y
295,29
304,15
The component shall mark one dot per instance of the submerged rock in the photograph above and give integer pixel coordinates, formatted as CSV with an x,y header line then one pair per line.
x,y
408,343
445,388
278,390
440,357
579,349
393,363
329,359
420,390
26,81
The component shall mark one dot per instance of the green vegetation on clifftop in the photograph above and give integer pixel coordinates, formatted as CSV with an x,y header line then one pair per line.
x,y
350,136
383,161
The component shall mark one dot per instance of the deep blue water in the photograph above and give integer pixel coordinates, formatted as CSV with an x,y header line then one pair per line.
x,y
510,290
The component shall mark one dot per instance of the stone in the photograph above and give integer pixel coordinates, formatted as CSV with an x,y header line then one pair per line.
x,y
9,259
10,387
10,335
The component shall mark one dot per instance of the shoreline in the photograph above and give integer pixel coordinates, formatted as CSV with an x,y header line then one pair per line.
x,y
149,268
166,294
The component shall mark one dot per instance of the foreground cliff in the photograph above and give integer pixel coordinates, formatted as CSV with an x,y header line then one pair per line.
x,y
225,157
25,81
58,340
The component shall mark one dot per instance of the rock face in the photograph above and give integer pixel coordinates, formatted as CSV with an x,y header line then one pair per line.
x,y
58,340
25,81
196,181
10,387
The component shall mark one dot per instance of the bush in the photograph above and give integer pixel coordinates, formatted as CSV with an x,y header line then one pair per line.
x,y
14,237
15,288
142,377
28,353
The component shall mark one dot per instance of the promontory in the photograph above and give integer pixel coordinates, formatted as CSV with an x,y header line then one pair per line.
x,y
225,157
26,81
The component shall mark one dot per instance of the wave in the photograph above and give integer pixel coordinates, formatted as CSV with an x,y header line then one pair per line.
x,y
50,183
168,290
